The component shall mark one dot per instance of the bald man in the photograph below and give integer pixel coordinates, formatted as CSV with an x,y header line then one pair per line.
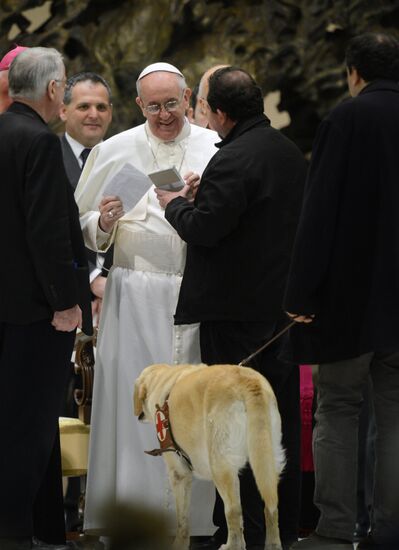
x,y
200,106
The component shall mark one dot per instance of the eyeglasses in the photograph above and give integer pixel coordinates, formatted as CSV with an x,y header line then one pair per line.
x,y
169,106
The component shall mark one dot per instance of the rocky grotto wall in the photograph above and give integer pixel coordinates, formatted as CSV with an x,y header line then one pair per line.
x,y
294,47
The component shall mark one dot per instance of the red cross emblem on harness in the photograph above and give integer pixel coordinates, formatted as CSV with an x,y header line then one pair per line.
x,y
161,425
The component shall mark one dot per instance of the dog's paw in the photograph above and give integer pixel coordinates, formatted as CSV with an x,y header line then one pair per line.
x,y
273,547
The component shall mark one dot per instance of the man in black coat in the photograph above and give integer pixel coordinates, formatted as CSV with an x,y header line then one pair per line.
x,y
239,232
344,282
87,114
44,296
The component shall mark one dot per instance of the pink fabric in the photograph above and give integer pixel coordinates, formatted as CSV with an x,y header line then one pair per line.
x,y
306,393
8,58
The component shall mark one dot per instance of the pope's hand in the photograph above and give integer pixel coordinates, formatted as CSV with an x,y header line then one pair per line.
x,y
111,209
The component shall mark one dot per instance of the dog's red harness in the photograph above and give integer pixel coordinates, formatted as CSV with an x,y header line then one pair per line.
x,y
165,436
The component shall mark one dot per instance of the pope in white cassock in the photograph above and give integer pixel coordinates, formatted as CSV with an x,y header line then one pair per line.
x,y
136,327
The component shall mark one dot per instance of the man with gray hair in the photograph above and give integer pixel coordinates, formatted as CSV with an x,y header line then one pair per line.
x,y
44,296
141,293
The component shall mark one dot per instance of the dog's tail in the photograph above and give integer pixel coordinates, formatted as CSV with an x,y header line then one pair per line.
x,y
265,452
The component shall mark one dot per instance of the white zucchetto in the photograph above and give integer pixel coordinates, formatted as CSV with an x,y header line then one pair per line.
x,y
160,66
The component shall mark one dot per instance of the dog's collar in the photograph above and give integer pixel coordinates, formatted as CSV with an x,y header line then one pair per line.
x,y
165,436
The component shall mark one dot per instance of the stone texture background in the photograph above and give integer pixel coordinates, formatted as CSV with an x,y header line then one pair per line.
x,y
296,47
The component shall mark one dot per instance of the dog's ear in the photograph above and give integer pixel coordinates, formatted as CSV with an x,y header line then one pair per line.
x,y
140,393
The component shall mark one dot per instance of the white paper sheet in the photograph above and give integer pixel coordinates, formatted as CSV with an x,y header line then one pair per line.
x,y
130,185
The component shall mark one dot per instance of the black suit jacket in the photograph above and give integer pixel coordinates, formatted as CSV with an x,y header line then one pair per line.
x,y
72,167
345,266
45,269
241,227
73,170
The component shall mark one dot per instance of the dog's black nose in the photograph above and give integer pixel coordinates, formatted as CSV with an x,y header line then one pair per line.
x,y
141,416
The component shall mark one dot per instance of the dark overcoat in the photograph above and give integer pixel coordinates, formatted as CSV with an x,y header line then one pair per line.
x,y
240,228
45,267
44,270
345,266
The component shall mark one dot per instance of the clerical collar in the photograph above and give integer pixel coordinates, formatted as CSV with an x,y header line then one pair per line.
x,y
181,141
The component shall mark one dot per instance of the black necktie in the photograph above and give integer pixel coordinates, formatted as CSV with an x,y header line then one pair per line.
x,y
84,154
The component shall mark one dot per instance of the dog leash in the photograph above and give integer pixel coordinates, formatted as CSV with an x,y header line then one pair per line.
x,y
164,430
245,361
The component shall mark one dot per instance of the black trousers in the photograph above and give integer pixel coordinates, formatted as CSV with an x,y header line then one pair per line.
x,y
230,342
34,363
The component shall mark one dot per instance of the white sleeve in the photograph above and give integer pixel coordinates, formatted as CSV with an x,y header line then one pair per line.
x,y
95,238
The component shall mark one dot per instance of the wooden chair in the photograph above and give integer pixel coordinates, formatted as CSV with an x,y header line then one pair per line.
x,y
75,432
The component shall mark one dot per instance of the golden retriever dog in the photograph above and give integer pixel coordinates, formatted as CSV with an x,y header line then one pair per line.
x,y
222,417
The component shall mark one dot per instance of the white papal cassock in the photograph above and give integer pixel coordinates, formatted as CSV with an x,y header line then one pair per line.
x,y
136,327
